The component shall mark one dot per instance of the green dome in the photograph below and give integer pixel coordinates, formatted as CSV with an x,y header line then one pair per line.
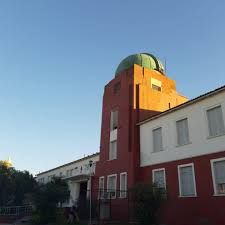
x,y
143,59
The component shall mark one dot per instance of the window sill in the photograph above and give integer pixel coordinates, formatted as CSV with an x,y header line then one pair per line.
x,y
193,196
177,146
112,198
111,159
218,135
122,197
158,151
219,195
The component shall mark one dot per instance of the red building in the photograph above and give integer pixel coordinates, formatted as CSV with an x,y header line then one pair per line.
x,y
152,133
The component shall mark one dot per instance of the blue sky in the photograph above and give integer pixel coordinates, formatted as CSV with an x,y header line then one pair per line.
x,y
56,56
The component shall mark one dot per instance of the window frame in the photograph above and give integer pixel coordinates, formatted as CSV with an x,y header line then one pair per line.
x,y
194,180
125,191
164,175
219,104
212,161
111,127
110,144
156,88
176,131
153,129
112,175
157,83
99,195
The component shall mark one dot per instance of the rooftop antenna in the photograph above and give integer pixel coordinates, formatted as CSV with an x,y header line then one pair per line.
x,y
165,65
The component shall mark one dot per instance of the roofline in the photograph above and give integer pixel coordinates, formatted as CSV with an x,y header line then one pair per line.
x,y
67,164
185,104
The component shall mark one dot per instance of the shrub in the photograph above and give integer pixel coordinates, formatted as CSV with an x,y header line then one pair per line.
x,y
147,201
47,197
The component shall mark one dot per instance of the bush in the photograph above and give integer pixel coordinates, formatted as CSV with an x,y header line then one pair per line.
x,y
147,201
46,199
36,219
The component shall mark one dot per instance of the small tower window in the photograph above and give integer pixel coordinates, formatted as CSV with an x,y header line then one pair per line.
x,y
116,88
155,87
114,120
156,84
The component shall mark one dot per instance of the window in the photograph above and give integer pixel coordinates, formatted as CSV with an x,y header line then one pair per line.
x,y
60,174
71,172
101,187
116,88
41,180
111,186
76,170
182,132
155,87
67,173
123,185
156,84
218,173
159,178
114,120
186,178
157,139
113,150
215,121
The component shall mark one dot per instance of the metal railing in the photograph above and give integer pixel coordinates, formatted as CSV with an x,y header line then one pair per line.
x,y
15,210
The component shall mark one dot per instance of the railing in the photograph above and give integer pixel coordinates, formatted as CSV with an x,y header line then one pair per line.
x,y
81,170
15,210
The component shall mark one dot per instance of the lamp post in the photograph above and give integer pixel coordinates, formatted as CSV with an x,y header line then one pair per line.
x,y
90,165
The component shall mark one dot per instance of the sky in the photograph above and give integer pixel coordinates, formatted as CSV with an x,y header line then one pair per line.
x,y
56,56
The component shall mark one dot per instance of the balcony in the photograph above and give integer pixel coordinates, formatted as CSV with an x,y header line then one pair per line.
x,y
80,172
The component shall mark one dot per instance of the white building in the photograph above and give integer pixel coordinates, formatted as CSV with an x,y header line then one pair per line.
x,y
77,173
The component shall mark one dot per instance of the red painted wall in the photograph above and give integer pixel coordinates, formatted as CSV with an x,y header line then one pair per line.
x,y
203,209
126,143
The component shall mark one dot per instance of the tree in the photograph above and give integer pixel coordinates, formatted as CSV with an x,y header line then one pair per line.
x,y
147,201
6,190
15,185
47,197
23,184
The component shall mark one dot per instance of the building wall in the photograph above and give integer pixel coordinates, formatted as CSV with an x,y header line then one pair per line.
x,y
206,207
150,99
134,101
61,171
74,176
200,143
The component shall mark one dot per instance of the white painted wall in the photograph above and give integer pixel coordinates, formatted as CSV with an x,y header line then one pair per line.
x,y
74,191
63,169
74,179
198,131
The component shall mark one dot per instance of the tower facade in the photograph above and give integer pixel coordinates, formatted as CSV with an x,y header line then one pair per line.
x,y
139,90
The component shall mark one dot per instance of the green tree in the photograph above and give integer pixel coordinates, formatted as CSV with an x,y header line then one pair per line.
x,y
47,197
147,201
23,184
6,190
15,185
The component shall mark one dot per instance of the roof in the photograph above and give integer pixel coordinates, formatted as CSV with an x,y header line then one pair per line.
x,y
70,163
181,106
143,59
